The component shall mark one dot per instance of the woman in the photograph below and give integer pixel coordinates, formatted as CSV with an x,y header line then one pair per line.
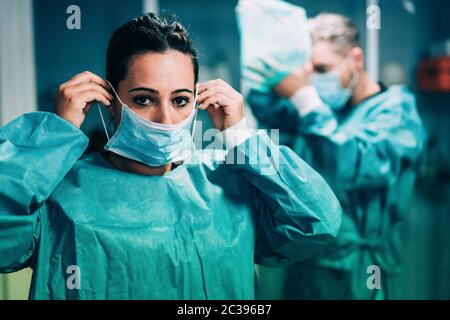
x,y
149,218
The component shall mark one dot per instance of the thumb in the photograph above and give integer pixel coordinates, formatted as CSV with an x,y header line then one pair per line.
x,y
88,107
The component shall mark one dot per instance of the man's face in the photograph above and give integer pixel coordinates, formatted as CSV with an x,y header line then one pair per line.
x,y
326,59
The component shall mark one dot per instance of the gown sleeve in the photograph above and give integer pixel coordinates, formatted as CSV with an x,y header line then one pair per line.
x,y
274,112
297,213
36,152
371,154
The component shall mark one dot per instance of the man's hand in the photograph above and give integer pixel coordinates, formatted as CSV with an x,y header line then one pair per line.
x,y
293,82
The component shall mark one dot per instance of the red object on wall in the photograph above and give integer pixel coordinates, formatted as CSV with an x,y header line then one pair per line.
x,y
434,75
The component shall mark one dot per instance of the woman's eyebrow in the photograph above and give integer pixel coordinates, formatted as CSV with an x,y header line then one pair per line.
x,y
144,89
156,91
183,90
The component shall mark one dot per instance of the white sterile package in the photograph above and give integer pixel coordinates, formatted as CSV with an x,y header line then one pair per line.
x,y
274,41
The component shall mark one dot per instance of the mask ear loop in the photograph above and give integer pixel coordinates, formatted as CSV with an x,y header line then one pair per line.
x,y
353,81
194,120
355,75
114,91
196,110
100,110
103,120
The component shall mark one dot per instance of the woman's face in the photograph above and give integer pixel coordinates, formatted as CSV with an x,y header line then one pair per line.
x,y
159,87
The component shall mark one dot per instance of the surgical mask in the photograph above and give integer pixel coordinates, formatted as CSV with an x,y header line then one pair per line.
x,y
154,144
329,87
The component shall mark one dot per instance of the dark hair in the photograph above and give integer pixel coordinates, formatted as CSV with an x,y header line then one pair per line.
x,y
147,33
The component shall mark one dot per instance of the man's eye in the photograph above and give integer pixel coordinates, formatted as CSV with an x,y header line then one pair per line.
x,y
320,69
143,101
180,101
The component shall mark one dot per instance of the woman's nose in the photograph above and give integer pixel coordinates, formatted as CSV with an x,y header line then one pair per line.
x,y
163,115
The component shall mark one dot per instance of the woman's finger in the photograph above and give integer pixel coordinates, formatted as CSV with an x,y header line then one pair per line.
x,y
210,84
84,86
212,110
220,88
210,92
216,101
93,95
86,76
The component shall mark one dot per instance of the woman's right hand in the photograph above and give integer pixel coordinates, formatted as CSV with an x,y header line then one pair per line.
x,y
76,96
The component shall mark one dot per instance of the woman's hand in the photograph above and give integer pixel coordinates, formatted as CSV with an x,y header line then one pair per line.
x,y
76,96
224,105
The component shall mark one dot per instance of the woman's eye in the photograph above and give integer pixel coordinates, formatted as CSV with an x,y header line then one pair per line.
x,y
180,101
143,101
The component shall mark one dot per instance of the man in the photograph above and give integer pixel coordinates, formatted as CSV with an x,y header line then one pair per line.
x,y
366,140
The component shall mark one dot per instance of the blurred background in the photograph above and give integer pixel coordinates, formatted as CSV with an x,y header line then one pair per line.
x,y
38,52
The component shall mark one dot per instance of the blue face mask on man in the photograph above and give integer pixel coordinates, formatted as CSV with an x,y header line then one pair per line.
x,y
154,144
330,89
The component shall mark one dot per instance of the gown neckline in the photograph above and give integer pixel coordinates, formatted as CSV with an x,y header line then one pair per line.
x,y
101,157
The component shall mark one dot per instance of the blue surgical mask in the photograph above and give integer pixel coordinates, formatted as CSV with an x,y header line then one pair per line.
x,y
329,87
154,144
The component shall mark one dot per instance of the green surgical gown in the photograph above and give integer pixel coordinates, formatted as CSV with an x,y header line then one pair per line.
x,y
369,154
91,231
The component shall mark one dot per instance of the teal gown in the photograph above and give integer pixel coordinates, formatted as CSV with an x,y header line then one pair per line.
x,y
91,231
369,154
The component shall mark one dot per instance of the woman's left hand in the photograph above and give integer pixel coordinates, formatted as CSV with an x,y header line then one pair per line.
x,y
224,105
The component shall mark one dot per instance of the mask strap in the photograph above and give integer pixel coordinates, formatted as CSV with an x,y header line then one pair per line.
x,y
196,110
114,91
353,81
100,110
355,76
103,121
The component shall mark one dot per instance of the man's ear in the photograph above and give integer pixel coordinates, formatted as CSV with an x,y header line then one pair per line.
x,y
357,54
